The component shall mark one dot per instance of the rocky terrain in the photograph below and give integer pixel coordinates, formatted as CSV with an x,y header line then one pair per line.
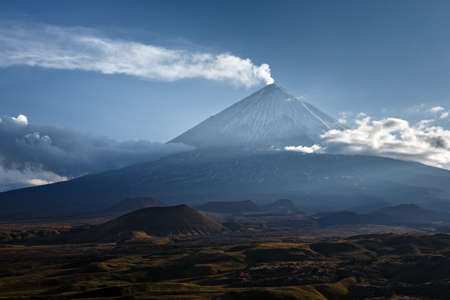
x,y
376,266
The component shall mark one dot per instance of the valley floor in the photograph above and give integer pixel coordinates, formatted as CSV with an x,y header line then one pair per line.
x,y
374,266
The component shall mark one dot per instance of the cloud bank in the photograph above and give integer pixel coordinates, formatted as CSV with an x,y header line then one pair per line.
x,y
441,111
81,49
13,179
394,138
437,109
31,155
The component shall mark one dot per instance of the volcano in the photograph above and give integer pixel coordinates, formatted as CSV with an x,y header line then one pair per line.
x,y
225,167
268,118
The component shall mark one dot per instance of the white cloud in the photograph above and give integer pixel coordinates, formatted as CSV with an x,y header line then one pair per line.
x,y
37,138
394,138
40,181
305,149
444,115
20,120
11,179
436,109
80,49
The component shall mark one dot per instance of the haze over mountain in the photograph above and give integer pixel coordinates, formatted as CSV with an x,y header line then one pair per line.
x,y
268,117
233,163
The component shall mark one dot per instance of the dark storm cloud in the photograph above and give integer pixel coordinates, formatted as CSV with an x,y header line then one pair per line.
x,y
26,147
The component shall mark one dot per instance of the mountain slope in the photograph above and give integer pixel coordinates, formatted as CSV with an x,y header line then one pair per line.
x,y
269,117
327,182
131,204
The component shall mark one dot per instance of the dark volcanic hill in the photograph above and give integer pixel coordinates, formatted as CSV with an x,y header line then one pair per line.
x,y
406,213
325,182
154,221
403,214
270,117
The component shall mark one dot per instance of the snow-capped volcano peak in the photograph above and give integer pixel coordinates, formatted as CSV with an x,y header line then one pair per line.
x,y
269,117
274,91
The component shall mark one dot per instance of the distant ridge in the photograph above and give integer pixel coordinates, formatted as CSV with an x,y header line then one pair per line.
x,y
280,206
269,117
229,207
401,214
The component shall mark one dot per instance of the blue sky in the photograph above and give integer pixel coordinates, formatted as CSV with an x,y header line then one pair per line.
x,y
379,57
87,86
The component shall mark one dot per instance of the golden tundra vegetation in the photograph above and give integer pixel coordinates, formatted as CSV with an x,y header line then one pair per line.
x,y
223,267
